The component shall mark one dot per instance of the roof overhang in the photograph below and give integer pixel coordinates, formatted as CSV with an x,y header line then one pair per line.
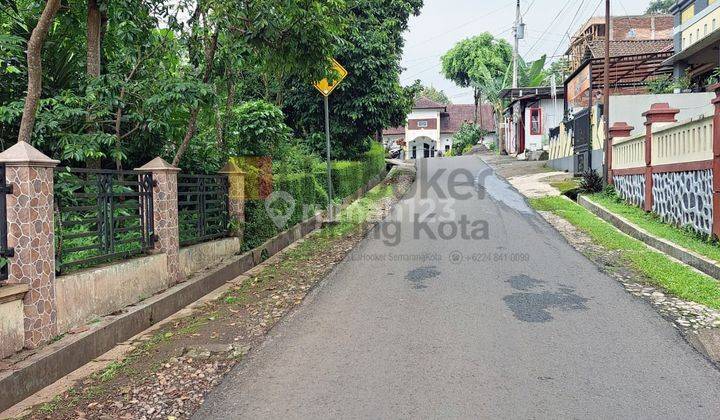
x,y
706,42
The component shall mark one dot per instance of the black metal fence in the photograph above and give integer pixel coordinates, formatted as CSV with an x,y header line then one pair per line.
x,y
5,252
203,208
101,215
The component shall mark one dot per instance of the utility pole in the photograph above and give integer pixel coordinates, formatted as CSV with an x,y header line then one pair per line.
x,y
516,36
606,93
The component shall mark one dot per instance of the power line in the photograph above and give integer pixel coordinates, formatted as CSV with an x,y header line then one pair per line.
x,y
548,27
460,26
406,78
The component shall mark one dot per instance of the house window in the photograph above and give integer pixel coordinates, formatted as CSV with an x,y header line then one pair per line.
x,y
687,13
422,124
535,121
447,148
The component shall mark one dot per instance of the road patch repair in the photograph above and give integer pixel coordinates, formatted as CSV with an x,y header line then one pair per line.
x,y
167,371
693,307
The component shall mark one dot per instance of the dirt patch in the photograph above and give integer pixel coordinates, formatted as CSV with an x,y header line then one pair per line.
x,y
166,375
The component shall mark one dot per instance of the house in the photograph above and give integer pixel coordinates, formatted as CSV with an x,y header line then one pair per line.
x,y
431,126
622,28
529,116
696,39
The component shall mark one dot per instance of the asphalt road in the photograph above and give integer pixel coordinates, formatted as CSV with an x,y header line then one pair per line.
x,y
513,323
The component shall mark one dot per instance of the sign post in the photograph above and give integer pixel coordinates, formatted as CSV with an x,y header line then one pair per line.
x,y
326,87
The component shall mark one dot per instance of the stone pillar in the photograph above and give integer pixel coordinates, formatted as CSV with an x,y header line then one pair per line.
x,y
617,130
165,214
236,198
658,114
716,162
31,235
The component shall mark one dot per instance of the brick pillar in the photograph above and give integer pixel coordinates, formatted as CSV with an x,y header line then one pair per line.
x,y
716,162
31,235
236,198
617,131
659,113
165,214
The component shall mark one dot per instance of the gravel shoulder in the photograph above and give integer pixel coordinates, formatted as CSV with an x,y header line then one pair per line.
x,y
167,374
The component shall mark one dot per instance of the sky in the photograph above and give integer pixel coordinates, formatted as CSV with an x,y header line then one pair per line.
x,y
442,23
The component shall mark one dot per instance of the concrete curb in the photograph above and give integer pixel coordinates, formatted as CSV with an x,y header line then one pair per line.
x,y
691,258
58,359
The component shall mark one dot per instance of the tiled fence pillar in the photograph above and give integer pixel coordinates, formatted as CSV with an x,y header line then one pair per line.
x,y
659,113
716,163
617,131
236,198
165,214
30,233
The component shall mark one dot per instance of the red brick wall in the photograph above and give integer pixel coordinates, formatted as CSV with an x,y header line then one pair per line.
x,y
643,26
431,124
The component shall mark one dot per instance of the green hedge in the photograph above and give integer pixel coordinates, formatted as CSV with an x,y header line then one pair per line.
x,y
309,192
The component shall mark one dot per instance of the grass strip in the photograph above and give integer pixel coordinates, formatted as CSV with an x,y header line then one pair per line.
x,y
677,279
686,238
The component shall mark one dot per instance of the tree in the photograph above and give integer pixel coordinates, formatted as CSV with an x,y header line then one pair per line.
x,y
660,6
475,61
34,69
433,94
371,97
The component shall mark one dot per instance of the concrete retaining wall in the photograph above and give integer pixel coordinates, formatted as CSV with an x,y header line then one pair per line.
x,y
196,257
88,294
12,332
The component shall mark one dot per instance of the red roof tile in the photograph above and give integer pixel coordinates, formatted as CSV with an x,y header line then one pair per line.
x,y
425,103
456,115
596,49
453,118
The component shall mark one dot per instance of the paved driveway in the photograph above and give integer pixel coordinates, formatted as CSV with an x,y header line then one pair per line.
x,y
510,323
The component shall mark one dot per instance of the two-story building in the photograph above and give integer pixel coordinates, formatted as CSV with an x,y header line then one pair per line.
x,y
649,27
696,37
431,126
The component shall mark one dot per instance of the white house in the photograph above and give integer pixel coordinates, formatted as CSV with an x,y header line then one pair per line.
x,y
530,115
431,126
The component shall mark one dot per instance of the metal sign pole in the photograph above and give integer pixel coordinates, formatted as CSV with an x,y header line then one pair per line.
x,y
331,217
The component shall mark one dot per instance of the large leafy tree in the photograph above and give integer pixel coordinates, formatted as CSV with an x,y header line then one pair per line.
x,y
432,93
476,62
371,97
660,6
125,80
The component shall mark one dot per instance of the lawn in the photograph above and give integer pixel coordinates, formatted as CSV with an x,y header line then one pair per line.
x,y
653,224
565,185
678,279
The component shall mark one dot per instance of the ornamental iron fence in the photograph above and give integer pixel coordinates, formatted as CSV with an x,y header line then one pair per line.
x,y
101,216
202,208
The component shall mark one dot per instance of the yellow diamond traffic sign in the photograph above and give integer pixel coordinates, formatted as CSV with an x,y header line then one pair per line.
x,y
324,85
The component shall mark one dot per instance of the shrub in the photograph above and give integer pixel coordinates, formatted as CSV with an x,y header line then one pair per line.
x,y
591,182
308,189
256,128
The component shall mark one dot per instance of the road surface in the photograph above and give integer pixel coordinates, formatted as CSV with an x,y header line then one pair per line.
x,y
513,323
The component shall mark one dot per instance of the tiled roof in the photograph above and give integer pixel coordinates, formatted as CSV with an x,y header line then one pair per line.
x,y
425,103
453,118
394,131
596,49
456,115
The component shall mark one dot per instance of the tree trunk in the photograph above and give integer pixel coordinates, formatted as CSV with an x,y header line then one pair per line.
x,y
476,97
192,121
94,27
94,24
34,64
